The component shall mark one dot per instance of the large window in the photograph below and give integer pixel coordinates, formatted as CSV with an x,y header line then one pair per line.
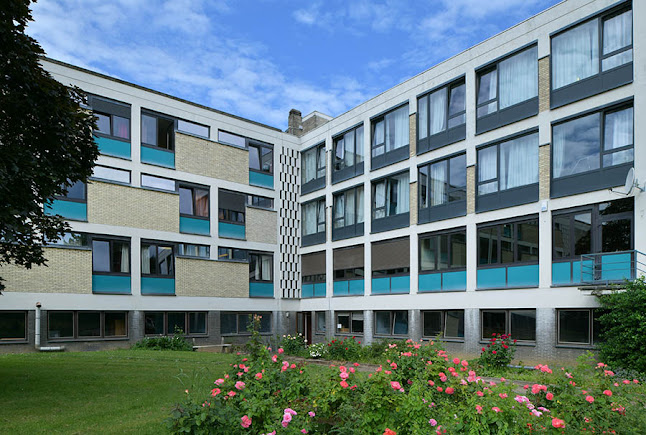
x,y
111,174
13,325
313,222
112,122
390,137
112,125
443,183
157,131
348,213
193,128
348,263
194,251
390,198
391,322
233,254
86,324
441,116
508,173
443,251
159,183
506,85
261,157
110,257
171,322
320,327
261,267
71,240
349,322
443,324
194,201
348,154
231,214
577,326
76,192
313,275
520,324
601,142
592,57
157,260
237,323
313,168
260,202
509,242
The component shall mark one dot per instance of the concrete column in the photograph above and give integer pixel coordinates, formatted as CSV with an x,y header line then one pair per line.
x,y
135,265
414,325
368,327
136,325
472,257
472,330
639,84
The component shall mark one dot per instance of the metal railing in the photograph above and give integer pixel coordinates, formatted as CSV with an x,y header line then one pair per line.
x,y
612,267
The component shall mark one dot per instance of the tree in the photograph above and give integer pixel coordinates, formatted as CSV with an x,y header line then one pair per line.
x,y
46,142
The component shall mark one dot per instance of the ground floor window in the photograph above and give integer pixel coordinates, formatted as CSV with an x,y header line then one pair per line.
x,y
169,323
13,325
349,322
520,324
87,324
320,322
578,326
443,324
237,323
391,323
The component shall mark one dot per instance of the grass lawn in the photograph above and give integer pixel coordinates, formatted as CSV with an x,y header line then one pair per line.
x,y
99,392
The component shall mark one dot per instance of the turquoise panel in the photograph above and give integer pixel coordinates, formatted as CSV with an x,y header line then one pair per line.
x,y
232,231
194,226
341,288
380,286
261,289
113,147
584,271
561,273
400,284
355,287
522,276
111,284
319,290
307,291
68,209
491,278
157,286
157,157
262,180
615,267
454,280
430,282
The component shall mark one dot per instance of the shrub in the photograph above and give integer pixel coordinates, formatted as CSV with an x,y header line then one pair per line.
x,y
176,342
344,349
293,344
316,350
498,353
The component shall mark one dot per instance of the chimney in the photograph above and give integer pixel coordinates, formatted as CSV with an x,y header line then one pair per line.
x,y
295,123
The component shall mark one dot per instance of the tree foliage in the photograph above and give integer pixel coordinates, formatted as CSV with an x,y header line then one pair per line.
x,y
46,141
623,327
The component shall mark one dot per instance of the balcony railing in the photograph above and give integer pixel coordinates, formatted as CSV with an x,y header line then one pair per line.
x,y
612,267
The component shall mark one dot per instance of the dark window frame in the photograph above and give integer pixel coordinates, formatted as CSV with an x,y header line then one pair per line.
x,y
255,201
111,108
448,135
318,202
351,321
317,182
448,209
593,328
111,240
388,221
26,328
444,314
353,230
392,314
187,323
316,323
65,197
85,239
193,188
244,331
259,256
395,155
75,327
182,247
508,323
260,146
170,134
230,254
515,222
435,235
159,244
340,172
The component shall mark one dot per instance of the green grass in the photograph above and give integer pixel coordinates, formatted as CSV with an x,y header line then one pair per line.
x,y
122,391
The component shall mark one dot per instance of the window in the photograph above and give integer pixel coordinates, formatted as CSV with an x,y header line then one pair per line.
x,y
13,325
519,324
348,154
391,322
157,183
157,131
348,213
590,144
390,137
390,257
193,128
592,57
313,168
443,324
313,222
87,324
233,254
390,197
231,214
349,322
578,327
110,256
237,323
112,117
443,251
191,250
509,242
441,183
261,157
260,201
157,260
439,114
508,83
348,263
261,267
168,323
194,201
111,174
231,139
76,191
320,326
313,275
72,240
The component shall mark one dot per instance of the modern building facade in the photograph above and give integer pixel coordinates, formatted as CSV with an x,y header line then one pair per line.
x,y
474,198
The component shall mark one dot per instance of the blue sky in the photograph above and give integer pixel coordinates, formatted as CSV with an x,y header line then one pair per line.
x,y
259,59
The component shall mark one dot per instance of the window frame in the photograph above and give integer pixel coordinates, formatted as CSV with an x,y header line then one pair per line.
x,y
352,230
449,209
435,235
159,244
65,197
187,323
260,255
260,146
26,328
86,242
75,326
392,314
178,129
182,247
316,322
111,240
387,222
318,236
341,173
193,188
443,336
508,324
515,222
112,180
254,201
111,108
171,136
158,189
448,135
395,155
351,330
230,254
317,182
237,314
593,328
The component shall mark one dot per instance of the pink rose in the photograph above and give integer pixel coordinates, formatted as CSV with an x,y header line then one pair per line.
x,y
589,399
607,393
240,385
280,350
259,376
396,385
246,421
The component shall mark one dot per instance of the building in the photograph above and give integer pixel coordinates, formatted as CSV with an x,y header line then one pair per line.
x,y
472,198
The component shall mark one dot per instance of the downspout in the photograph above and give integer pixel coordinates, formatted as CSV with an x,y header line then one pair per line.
x,y
37,335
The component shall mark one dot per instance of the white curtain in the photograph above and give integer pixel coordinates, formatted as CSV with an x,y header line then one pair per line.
x,y
348,139
125,258
339,211
487,169
359,146
378,138
397,129
321,216
518,78
575,54
519,162
438,183
145,260
617,32
266,267
618,133
350,210
380,199
403,190
309,166
309,218
438,111
422,113
359,205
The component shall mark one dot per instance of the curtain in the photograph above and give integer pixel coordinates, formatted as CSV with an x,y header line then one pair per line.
x,y
518,77
320,165
380,199
519,162
201,203
438,183
487,169
575,54
309,218
488,86
266,267
309,166
145,259
617,32
378,138
359,144
125,258
402,191
321,217
359,205
618,133
348,139
438,111
397,129
350,210
422,113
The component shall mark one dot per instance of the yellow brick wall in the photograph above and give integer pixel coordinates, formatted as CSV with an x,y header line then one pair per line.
x,y
544,84
544,171
194,277
412,121
113,204
211,159
413,203
261,225
471,189
67,271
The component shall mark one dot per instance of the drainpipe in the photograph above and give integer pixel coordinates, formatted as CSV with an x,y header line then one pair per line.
x,y
37,335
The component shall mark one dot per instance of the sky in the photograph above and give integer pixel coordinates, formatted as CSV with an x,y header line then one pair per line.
x,y
259,59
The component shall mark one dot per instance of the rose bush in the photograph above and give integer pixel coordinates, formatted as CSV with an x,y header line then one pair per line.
x,y
496,355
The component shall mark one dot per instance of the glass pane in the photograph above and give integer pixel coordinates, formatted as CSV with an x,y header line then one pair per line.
x,y
308,165
348,141
523,325
401,323
165,260
382,322
102,123
378,135
518,77
527,241
176,323
254,158
493,322
149,259
111,174
561,236
265,322
89,324
487,87
576,146
443,252
359,142
438,105
486,188
507,243
197,323
61,325
228,323
618,158
267,159
457,120
616,235
154,323
100,256
458,171
487,109
12,326
190,127
575,54
115,325
458,250
148,130
457,102
438,183
165,133
121,257
120,127
618,129
488,245
185,200
488,163
201,202
231,139
454,324
343,323
432,323
157,183
616,60
422,113
357,323
574,326
76,191
350,209
423,187
427,253
617,32
582,233
519,162
320,321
